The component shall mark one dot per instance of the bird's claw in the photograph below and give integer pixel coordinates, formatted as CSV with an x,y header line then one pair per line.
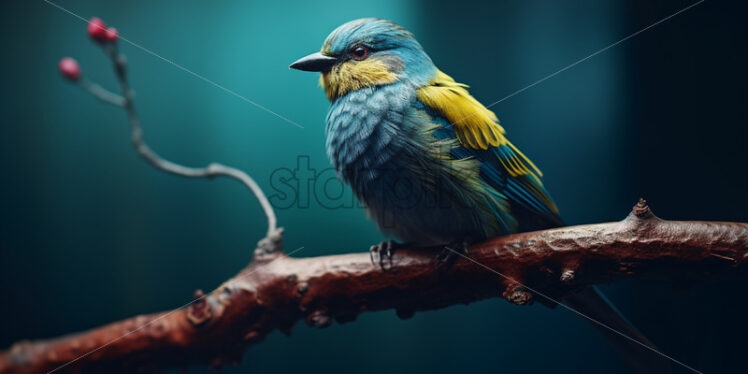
x,y
381,254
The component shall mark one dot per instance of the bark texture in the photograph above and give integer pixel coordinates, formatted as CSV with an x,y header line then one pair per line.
x,y
275,290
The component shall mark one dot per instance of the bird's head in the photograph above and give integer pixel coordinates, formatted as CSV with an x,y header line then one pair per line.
x,y
368,52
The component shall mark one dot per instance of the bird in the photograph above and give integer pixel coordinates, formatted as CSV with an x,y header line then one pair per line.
x,y
430,163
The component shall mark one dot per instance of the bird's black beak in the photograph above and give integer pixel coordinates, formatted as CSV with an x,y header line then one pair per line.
x,y
315,62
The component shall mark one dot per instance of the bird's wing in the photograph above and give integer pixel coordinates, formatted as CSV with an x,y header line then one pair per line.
x,y
476,127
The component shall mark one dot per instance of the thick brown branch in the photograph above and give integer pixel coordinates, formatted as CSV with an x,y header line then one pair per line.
x,y
275,291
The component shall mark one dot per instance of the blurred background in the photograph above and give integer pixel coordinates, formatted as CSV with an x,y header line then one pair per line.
x,y
90,234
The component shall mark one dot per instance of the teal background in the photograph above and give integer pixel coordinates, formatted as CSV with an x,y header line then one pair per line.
x,y
91,234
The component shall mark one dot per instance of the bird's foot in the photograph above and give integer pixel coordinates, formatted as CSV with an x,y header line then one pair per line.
x,y
449,253
381,254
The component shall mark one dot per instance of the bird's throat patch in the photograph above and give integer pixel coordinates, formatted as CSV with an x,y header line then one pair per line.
x,y
355,75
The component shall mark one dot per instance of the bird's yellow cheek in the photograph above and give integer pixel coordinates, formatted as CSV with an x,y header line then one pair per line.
x,y
355,75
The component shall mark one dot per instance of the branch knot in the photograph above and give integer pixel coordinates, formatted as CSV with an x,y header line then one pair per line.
x,y
270,247
199,311
318,318
517,294
642,210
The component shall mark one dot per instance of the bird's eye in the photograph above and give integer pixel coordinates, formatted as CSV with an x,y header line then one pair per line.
x,y
359,52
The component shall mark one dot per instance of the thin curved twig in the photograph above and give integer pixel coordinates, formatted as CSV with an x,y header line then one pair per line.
x,y
102,93
126,101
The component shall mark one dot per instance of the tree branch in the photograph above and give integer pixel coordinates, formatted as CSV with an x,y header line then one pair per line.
x,y
275,290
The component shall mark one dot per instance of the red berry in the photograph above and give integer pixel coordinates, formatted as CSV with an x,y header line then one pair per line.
x,y
111,35
97,30
69,69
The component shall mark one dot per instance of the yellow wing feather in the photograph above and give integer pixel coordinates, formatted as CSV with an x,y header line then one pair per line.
x,y
475,125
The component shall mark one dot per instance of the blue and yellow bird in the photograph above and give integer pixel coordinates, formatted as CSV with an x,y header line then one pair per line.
x,y
432,165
